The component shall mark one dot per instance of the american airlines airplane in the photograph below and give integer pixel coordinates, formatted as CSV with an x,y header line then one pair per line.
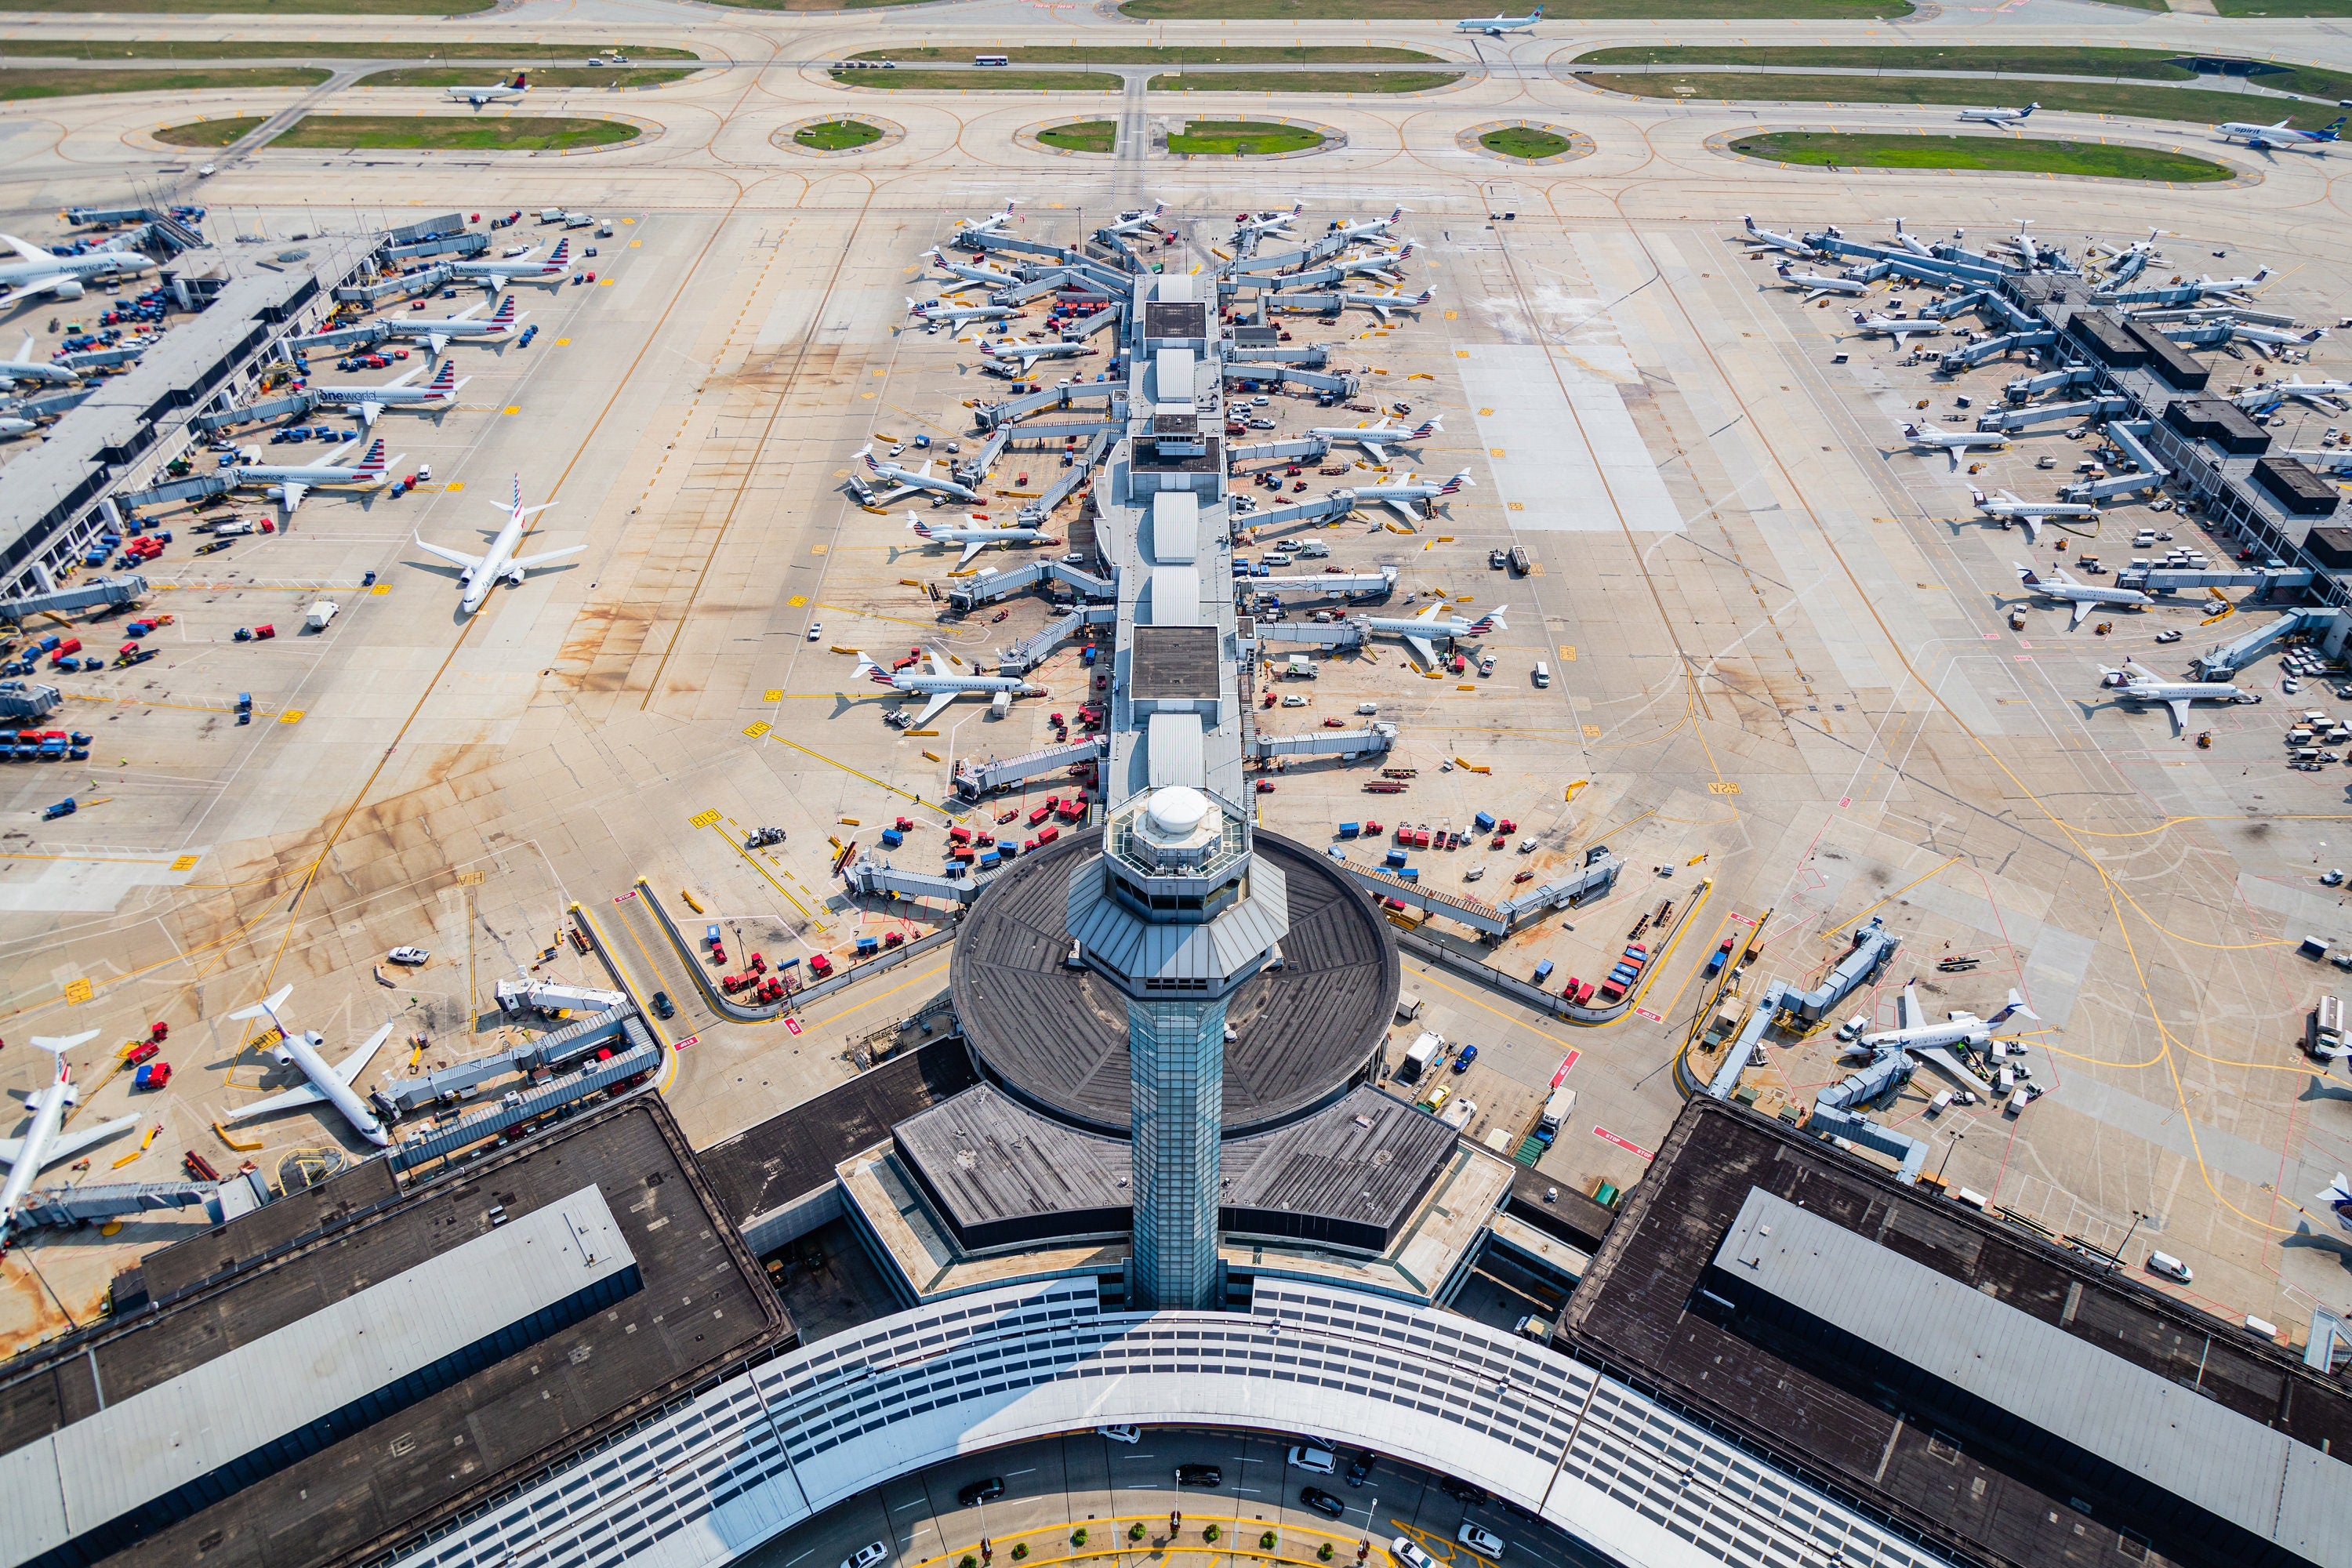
x,y
968,274
941,687
1378,438
1407,496
1137,220
332,1084
957,315
35,271
44,1143
1496,26
1952,443
1998,115
497,92
549,272
481,573
1249,227
435,396
441,331
1421,632
2081,596
1023,353
975,539
2262,138
2133,683
990,224
288,483
910,481
12,424
1369,227
2006,509
1381,304
25,367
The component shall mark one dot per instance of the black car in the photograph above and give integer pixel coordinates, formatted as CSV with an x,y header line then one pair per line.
x,y
1321,1501
1361,1471
1462,1491
1200,1476
987,1490
662,1008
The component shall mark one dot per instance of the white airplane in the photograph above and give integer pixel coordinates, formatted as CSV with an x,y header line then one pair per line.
x,y
1913,1031
1496,26
910,481
442,331
2324,394
35,271
1407,497
1952,443
483,572
1250,227
1380,264
2338,1199
941,687
1765,239
968,274
990,224
2081,596
2233,285
1997,116
1026,352
975,539
288,483
2006,509
507,269
17,424
2023,245
1911,242
1818,284
1421,632
2133,683
332,1084
25,367
957,315
497,92
2123,264
1896,326
2262,137
1351,229
1381,304
43,1143
2273,336
1378,438
1137,220
434,396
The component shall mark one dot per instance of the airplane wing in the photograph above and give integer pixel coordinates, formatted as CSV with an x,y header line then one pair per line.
x,y
368,413
2033,530
931,709
893,495
1907,1014
525,562
454,558
66,1146
970,549
2082,608
32,285
1383,312
1374,450
937,665
435,343
1953,453
294,492
1402,508
350,1066
2180,706
1422,646
307,1094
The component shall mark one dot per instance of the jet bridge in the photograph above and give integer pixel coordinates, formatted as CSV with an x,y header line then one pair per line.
x,y
970,240
1312,354
1872,949
2184,294
1339,385
1111,395
2125,434
470,243
340,338
1490,920
1983,349
1305,304
101,359
253,413
1312,449
1930,269
1953,305
177,489
2009,420
1369,742
1031,652
2328,624
1071,477
1743,1045
127,589
1095,323
870,873
1329,585
65,1208
975,779
988,587
2063,379
423,282
48,406
2160,580
1338,635
555,1051
1322,508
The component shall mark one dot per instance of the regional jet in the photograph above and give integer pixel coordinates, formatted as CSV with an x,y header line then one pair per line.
x,y
1023,353
332,1084
2081,596
44,1141
1376,439
1381,304
910,481
1136,221
1818,284
2266,138
1998,115
1896,326
1496,26
2232,285
1912,1030
2338,1199
1407,498
496,275
968,274
480,574
442,331
35,271
1250,227
288,483
497,92
1421,632
975,539
957,315
2329,395
2006,509
25,367
13,424
1377,227
2133,683
1380,264
1911,242
435,396
1765,239
940,688
990,224
1952,443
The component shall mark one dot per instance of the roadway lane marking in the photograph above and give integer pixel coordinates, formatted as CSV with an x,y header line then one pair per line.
x,y
905,1506
1030,1472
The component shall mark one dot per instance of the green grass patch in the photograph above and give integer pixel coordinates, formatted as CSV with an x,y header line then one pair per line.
x,y
2002,153
836,135
1306,81
1568,11
1085,136
1239,136
1172,54
2186,104
1524,142
208,133
451,132
1010,80
2132,64
2283,8
572,76
68,83
270,8
276,48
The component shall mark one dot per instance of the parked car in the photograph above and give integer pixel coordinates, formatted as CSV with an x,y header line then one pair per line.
x,y
408,955
1480,1540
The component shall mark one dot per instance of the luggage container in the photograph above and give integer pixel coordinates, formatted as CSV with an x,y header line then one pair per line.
x,y
892,837
867,947
1484,821
1351,830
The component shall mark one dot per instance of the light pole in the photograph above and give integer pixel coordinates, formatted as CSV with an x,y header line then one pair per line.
x,y
2118,1254
1954,1143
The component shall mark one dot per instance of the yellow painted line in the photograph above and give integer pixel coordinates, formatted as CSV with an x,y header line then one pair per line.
x,y
1667,1007
879,995
871,615
1649,974
845,767
669,1052
746,854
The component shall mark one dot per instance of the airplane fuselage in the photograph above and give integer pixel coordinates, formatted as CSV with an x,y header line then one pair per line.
x,y
302,1051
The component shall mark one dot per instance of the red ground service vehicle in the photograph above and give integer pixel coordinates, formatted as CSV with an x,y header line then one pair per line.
x,y
820,966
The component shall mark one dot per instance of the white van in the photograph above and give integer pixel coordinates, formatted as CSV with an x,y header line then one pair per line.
x,y
1558,1109
1542,673
2143,539
2171,1267
1419,1054
1319,1460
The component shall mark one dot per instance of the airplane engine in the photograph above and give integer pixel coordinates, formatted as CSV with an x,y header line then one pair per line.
x,y
284,1057
514,579
466,578
68,290
276,493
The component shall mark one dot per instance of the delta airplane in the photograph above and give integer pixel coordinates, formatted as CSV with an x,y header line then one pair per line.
x,y
941,687
480,574
2133,683
1765,239
1998,115
1816,284
1250,227
990,224
957,315
2325,394
1381,304
1376,439
1028,352
1421,632
1952,443
2269,137
497,92
2006,509
494,275
435,396
1496,26
967,275
2338,1199
35,271
288,483
1896,326
1406,498
44,1143
910,481
2081,596
25,367
442,331
975,539
1913,1031
332,1084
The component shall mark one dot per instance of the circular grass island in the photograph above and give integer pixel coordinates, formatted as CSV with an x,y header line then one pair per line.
x,y
1243,138
429,132
2008,154
1082,136
836,135
1525,141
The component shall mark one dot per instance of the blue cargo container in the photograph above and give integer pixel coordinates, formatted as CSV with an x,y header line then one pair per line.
x,y
1351,830
892,837
1485,821
990,859
1411,874
869,946
1543,972
1395,858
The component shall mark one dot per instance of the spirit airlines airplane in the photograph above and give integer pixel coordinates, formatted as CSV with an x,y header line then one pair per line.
x,y
44,1144
332,1084
1998,115
1816,284
497,92
2006,509
1421,632
1952,443
481,573
910,481
2081,596
35,271
1896,326
941,688
516,268
2264,137
1378,438
1406,499
1496,26
291,483
435,396
25,367
440,332
2133,683
975,539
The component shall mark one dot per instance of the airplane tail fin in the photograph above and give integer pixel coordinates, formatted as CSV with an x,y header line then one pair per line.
x,y
1976,496
2028,110
867,667
1428,427
59,1044
505,314
1454,485
867,452
522,82
373,463
2016,1007
1492,621
560,254
266,1006
447,380
2025,574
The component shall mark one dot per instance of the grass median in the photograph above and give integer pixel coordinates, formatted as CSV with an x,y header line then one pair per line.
x,y
1172,54
278,48
268,8
1306,81
1241,137
1525,141
68,83
2283,8
2004,154
980,82
836,135
1085,136
2130,65
1569,11
430,132
473,76
2186,104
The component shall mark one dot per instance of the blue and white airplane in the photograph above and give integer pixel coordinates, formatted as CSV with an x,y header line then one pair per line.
x,y
1998,116
497,92
2264,137
1496,26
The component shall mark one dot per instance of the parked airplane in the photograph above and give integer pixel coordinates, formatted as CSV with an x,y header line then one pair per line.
x,y
2325,394
1380,264
1896,326
1250,227
332,1084
1818,284
35,271
497,274
1952,443
1026,352
2025,247
2233,285
1912,1030
25,367
1351,229
1381,304
17,424
990,224
2274,337
910,481
44,1143
2282,135
497,92
2338,1199
2006,509
1137,220
434,396
481,573
941,687
975,539
1421,632
968,274
288,483
1496,26
2081,596
1911,242
2133,683
442,331
1376,439
1766,239
1406,499
1998,115
957,315
2126,264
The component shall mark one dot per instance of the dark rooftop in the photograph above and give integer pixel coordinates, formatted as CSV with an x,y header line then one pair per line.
x,y
1178,319
1057,1038
248,1238
1210,459
1174,664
